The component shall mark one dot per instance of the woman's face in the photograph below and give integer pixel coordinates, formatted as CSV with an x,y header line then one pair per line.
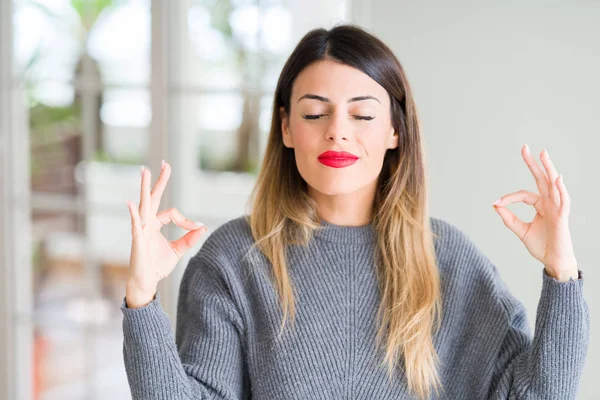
x,y
336,121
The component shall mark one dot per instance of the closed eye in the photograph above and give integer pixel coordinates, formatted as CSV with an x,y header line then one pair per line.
x,y
358,117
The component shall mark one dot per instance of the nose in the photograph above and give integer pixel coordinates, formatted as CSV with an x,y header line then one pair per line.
x,y
338,128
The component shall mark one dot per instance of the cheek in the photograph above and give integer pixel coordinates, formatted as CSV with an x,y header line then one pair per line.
x,y
302,141
305,138
373,144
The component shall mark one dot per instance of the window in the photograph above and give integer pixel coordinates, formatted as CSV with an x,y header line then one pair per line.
x,y
100,87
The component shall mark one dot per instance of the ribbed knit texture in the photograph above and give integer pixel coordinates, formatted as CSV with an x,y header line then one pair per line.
x,y
226,346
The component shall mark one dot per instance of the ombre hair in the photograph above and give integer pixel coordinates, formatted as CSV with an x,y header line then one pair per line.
x,y
282,213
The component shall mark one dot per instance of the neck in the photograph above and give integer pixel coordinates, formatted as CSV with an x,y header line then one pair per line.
x,y
346,209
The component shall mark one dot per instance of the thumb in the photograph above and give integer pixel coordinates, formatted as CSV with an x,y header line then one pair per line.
x,y
184,243
512,222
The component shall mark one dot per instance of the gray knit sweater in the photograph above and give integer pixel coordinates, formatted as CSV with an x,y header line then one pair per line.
x,y
228,319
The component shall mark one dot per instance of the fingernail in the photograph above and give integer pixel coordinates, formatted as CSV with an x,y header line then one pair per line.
x,y
526,147
198,224
162,164
142,170
496,202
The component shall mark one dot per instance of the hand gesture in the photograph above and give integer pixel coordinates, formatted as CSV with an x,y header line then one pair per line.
x,y
153,257
547,237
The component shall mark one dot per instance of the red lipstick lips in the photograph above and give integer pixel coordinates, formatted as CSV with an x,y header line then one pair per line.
x,y
337,159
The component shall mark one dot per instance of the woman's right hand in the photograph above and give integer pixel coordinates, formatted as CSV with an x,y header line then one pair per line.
x,y
153,257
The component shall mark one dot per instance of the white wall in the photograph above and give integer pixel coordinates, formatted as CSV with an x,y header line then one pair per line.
x,y
487,79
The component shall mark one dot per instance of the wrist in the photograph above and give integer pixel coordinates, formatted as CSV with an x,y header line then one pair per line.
x,y
136,297
563,275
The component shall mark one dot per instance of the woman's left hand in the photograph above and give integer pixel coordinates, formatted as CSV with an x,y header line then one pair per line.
x,y
547,237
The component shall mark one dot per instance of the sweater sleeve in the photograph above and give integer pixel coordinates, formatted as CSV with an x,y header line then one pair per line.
x,y
549,365
205,359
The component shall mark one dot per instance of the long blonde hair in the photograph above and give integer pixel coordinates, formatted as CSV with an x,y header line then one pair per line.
x,y
282,213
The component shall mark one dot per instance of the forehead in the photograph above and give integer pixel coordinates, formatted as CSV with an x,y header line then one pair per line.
x,y
336,81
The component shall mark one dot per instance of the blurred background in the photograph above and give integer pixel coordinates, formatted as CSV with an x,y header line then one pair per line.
x,y
92,89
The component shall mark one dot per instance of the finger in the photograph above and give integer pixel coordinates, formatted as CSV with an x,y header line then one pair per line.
x,y
541,180
159,187
513,223
145,200
173,215
565,199
135,217
184,243
552,175
522,195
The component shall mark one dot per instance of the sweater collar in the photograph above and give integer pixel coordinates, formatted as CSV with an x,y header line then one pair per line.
x,y
346,234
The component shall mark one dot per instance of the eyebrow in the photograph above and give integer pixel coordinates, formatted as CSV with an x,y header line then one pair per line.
x,y
326,100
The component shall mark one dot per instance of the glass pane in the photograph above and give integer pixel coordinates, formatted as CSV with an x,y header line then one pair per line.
x,y
218,131
120,42
266,111
218,151
275,30
221,148
207,56
55,136
271,74
125,128
231,44
47,39
51,38
60,363
58,286
233,47
121,130
108,222
266,114
78,335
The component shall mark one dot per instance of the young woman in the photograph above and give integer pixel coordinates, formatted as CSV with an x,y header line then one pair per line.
x,y
384,301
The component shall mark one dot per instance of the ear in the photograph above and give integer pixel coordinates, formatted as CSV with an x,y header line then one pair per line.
x,y
393,139
286,136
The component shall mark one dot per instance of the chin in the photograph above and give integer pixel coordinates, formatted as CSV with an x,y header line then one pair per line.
x,y
334,187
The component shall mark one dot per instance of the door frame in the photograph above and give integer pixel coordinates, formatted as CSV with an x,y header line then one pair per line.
x,y
16,289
